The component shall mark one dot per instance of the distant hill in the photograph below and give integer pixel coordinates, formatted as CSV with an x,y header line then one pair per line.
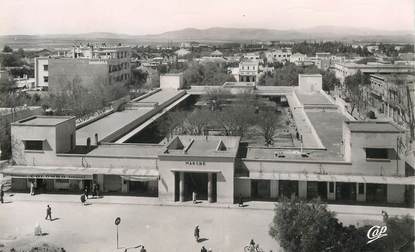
x,y
218,34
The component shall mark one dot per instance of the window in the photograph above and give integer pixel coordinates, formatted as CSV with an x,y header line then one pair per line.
x,y
45,79
331,187
33,145
62,181
377,153
45,67
361,188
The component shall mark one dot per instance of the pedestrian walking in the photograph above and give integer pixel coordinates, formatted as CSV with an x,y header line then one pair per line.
x,y
194,197
240,201
203,249
83,199
94,190
86,191
97,188
1,194
32,188
197,233
48,213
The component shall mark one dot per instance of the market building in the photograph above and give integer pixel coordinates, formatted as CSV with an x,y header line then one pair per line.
x,y
335,158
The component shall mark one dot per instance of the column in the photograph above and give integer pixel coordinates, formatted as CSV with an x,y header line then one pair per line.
x,y
210,188
302,189
181,186
274,189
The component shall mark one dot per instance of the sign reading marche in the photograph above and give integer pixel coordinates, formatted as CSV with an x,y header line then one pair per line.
x,y
195,162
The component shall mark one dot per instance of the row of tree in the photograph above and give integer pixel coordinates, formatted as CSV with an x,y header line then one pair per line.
x,y
302,226
233,115
333,47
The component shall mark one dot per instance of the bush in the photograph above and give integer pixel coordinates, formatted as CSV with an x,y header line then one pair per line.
x,y
301,226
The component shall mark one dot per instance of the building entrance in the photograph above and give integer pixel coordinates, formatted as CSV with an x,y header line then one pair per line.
x,y
260,189
345,191
287,188
376,193
316,190
203,184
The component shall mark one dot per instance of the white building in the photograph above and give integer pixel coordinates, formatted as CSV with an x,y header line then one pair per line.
x,y
42,73
278,55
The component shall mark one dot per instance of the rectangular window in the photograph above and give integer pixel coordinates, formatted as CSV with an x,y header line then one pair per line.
x,y
361,188
45,67
45,78
331,187
33,145
377,153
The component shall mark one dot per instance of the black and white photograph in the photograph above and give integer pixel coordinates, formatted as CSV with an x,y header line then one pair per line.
x,y
207,125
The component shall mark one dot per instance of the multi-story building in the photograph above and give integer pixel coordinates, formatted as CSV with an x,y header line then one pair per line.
x,y
342,70
90,65
42,73
248,70
278,55
389,94
339,160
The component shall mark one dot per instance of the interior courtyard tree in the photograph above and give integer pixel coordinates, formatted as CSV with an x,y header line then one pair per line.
x,y
268,122
355,87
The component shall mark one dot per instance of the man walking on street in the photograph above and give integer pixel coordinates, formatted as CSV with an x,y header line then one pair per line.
x,y
196,233
1,194
48,213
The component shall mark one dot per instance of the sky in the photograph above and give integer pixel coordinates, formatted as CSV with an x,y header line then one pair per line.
x,y
138,17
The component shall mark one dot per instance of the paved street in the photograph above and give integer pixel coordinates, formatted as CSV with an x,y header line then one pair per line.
x,y
144,221
166,228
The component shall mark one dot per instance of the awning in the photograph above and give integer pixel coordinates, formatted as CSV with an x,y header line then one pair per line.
x,y
140,178
196,170
332,178
51,172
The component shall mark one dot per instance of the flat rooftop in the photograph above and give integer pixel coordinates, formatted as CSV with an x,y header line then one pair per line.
x,y
43,120
127,150
312,99
118,120
373,126
329,128
161,96
109,124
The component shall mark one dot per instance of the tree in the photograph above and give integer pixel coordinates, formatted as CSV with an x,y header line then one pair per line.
x,y
405,104
216,98
138,78
330,81
6,86
210,74
299,226
268,121
7,49
10,60
355,85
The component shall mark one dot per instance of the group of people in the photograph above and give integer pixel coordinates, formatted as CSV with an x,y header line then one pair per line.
x,y
85,193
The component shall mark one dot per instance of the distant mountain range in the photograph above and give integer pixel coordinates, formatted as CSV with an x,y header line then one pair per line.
x,y
220,34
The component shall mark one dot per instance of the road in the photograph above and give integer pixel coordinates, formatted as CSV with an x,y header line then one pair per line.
x,y
158,228
144,221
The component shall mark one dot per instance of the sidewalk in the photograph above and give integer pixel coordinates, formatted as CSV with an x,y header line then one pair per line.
x,y
152,201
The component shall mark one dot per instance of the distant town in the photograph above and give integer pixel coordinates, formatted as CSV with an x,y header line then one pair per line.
x,y
224,124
